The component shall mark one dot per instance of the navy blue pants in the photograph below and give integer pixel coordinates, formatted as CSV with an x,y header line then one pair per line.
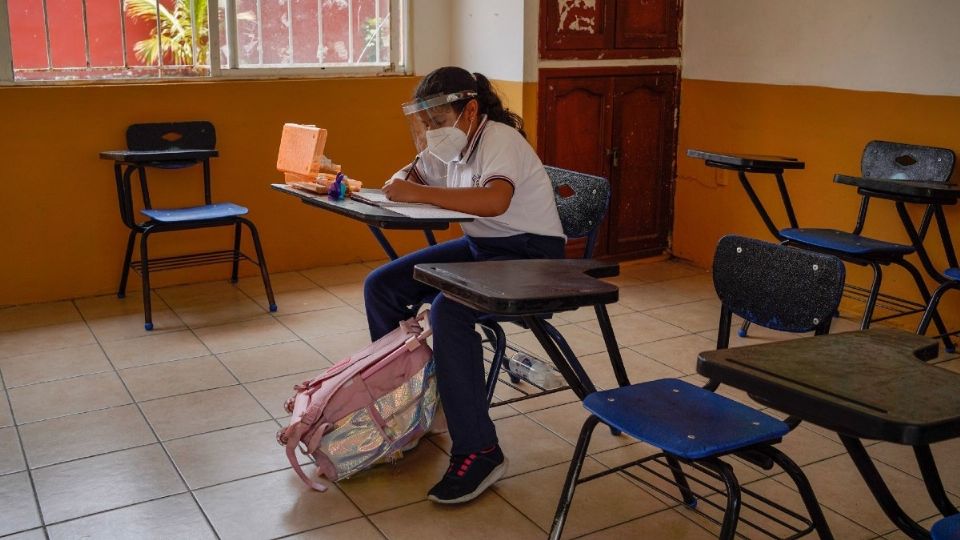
x,y
391,295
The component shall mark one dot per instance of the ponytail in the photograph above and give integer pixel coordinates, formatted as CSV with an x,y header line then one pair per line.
x,y
492,106
447,80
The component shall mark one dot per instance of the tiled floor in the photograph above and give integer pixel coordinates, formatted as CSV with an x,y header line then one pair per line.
x,y
110,431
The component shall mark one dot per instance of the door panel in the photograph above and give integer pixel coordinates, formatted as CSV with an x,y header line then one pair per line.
x,y
574,24
576,135
647,24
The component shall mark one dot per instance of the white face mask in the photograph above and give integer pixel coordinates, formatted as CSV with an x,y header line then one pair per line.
x,y
446,143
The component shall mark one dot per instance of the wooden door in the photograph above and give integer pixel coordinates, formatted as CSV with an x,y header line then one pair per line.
x,y
647,24
609,28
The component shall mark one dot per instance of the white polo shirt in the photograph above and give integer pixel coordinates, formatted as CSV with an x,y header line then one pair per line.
x,y
498,152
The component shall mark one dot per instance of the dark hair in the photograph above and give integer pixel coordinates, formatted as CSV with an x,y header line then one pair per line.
x,y
450,79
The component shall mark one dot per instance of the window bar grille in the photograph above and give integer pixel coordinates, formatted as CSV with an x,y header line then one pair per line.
x,y
259,34
376,35
194,32
213,36
233,39
350,31
289,31
86,32
397,18
159,42
6,52
46,35
123,34
320,31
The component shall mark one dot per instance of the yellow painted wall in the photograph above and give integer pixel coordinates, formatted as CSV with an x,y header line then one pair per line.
x,y
827,128
62,235
521,98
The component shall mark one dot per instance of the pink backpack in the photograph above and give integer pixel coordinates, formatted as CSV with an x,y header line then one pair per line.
x,y
368,407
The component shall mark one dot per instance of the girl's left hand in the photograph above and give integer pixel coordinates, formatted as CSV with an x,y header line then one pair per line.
x,y
402,191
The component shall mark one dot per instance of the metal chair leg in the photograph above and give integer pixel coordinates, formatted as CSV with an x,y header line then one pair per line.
x,y
236,252
925,294
145,277
681,480
872,298
498,338
573,474
931,479
125,272
932,305
803,486
731,515
743,329
262,263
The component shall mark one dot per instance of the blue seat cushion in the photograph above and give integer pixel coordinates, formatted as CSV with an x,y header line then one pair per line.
x,y
847,243
953,273
683,419
195,213
946,528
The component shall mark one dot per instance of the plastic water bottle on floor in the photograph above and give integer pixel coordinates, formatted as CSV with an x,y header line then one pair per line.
x,y
534,371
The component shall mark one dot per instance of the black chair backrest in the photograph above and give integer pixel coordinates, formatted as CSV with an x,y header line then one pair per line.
x,y
198,135
778,287
883,159
582,201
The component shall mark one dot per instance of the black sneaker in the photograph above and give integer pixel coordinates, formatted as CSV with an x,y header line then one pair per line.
x,y
468,476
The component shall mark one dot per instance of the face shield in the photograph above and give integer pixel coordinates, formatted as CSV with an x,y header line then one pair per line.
x,y
432,112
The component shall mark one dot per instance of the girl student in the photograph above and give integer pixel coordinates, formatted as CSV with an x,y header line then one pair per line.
x,y
474,158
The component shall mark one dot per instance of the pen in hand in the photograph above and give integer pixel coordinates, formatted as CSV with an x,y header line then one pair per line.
x,y
412,167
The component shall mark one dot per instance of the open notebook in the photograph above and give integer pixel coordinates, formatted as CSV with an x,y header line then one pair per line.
x,y
413,210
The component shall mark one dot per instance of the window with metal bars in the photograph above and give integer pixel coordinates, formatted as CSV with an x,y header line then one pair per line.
x,y
57,40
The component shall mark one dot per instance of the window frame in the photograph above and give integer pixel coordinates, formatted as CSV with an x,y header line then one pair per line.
x,y
399,63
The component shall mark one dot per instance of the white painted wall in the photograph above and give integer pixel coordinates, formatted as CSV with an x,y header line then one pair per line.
x,y
908,46
488,37
430,31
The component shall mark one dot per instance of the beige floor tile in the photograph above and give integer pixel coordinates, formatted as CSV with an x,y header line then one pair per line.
x,y
488,516
660,271
218,312
338,347
45,338
326,322
634,329
108,305
130,325
201,412
349,293
300,301
805,446
544,402
273,393
664,525
6,419
623,281
154,349
273,361
171,517
11,458
652,296
566,422
639,369
839,487
33,534
951,365
272,505
78,488
244,334
84,435
596,505
529,446
280,283
900,535
80,394
404,482
698,287
180,296
902,457
174,378
53,365
698,316
229,454
18,508
337,275
33,315
588,313
580,338
355,529
680,353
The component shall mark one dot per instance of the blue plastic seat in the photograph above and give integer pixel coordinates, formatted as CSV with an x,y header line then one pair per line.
x,y
946,529
774,286
952,273
842,242
194,213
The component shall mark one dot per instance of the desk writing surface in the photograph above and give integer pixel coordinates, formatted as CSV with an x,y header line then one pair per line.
x,y
747,162
524,286
368,213
147,156
939,191
870,384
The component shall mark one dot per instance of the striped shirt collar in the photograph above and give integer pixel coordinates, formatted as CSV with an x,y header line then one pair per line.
x,y
472,145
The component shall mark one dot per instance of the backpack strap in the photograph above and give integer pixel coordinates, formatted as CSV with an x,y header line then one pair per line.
x,y
293,442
